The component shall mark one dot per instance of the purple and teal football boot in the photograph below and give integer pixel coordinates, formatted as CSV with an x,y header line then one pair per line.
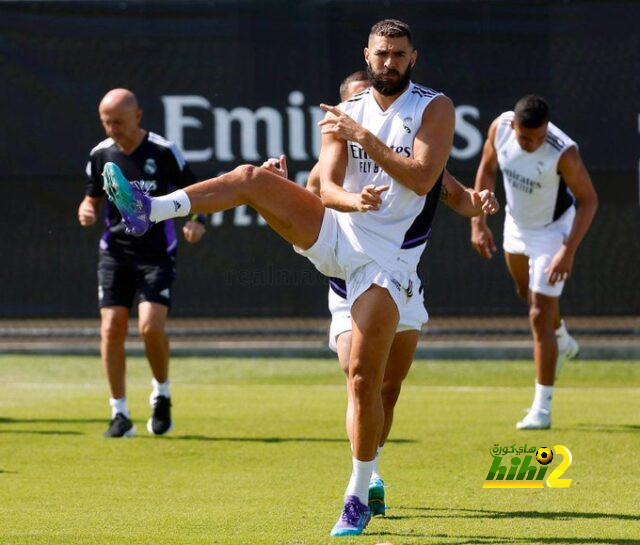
x,y
376,497
132,202
353,520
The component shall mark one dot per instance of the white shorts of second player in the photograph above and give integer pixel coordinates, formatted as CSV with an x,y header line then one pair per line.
x,y
539,245
413,316
334,254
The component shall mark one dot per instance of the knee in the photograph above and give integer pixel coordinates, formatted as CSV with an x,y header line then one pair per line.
x,y
537,318
150,331
113,329
364,386
246,174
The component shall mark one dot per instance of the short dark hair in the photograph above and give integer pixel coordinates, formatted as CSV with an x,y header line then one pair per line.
x,y
531,111
360,75
392,28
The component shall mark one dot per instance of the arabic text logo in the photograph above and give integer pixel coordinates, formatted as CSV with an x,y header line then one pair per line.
x,y
522,471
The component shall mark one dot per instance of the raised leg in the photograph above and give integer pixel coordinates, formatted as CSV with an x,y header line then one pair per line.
x,y
293,212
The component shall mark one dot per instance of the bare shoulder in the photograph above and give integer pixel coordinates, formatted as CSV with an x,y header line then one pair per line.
x,y
440,114
570,154
441,105
493,128
570,160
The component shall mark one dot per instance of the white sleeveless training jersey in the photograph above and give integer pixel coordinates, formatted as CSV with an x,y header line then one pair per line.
x,y
385,235
536,194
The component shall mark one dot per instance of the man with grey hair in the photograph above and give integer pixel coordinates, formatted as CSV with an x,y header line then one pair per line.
x,y
128,265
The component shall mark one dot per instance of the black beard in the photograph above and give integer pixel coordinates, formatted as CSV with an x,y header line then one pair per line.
x,y
387,88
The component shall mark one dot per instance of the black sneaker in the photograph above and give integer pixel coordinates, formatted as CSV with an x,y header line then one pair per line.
x,y
160,421
120,426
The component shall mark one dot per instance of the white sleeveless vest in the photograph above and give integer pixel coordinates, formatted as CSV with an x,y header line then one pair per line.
x,y
381,234
536,194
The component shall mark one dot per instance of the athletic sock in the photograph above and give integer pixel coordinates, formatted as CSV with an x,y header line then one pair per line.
x,y
542,399
359,481
160,388
562,335
562,330
374,471
173,205
119,406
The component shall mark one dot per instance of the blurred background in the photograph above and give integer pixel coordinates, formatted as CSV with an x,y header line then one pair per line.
x,y
238,81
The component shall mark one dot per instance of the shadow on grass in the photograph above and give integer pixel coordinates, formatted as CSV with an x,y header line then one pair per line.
x,y
434,512
608,428
40,432
6,420
267,439
502,540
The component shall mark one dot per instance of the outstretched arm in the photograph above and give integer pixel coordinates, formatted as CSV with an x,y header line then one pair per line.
x,y
481,235
575,175
467,201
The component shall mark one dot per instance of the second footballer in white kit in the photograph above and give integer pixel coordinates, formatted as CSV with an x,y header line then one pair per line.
x,y
544,178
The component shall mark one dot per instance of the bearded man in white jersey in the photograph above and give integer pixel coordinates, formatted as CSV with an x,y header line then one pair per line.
x,y
388,160
464,201
544,179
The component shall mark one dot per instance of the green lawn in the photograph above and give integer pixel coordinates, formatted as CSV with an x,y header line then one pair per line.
x,y
259,455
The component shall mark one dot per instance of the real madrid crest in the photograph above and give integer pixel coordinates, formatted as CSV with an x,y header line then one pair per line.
x,y
150,167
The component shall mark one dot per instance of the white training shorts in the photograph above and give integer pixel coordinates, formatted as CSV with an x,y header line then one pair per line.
x,y
539,245
334,254
413,316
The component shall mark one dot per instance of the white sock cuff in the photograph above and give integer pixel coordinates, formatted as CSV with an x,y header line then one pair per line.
x,y
119,406
562,330
172,205
359,465
161,388
360,477
543,397
375,474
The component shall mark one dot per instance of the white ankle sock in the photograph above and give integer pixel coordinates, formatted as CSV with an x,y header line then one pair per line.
x,y
374,471
359,481
173,205
119,406
542,399
563,338
160,388
562,332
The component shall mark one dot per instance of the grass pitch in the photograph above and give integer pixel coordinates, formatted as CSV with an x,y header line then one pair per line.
x,y
259,455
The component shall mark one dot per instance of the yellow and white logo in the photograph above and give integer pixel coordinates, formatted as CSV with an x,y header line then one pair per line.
x,y
520,472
